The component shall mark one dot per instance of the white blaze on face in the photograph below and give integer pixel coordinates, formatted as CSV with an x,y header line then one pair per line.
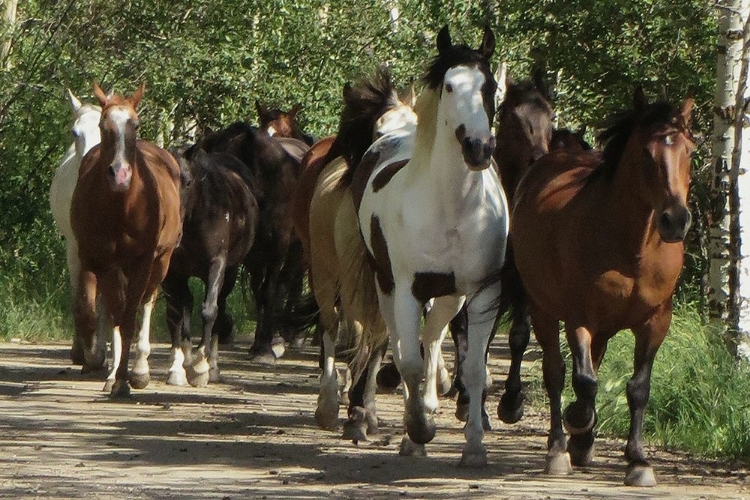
x,y
462,94
119,118
271,130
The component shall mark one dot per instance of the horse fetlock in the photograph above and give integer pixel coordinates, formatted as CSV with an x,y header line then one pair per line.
x,y
177,376
120,389
581,449
420,427
510,408
579,418
462,410
213,375
444,382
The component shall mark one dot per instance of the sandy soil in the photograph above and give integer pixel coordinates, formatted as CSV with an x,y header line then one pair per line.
x,y
253,436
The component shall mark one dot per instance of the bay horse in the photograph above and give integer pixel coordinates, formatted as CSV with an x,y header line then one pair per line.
x,y
327,224
435,226
278,123
563,138
599,240
274,174
220,216
125,215
86,135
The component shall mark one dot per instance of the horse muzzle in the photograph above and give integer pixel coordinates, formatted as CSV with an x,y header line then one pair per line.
x,y
119,177
673,224
477,152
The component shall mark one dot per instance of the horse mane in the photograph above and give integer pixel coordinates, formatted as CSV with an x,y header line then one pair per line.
x,y
614,137
426,109
88,107
213,140
364,103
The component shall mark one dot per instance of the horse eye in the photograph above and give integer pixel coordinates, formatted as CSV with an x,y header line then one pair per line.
x,y
668,140
448,87
136,125
75,133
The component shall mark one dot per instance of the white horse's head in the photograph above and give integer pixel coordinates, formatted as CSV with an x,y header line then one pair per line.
x,y
85,128
464,81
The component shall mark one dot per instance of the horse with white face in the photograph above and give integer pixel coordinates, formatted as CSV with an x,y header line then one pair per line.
x,y
435,226
86,135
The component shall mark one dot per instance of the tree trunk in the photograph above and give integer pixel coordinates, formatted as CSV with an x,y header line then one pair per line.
x,y
729,272
9,20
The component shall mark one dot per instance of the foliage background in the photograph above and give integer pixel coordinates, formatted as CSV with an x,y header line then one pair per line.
x,y
207,61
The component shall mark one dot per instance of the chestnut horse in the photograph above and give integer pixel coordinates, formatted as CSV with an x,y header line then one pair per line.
x,y
278,123
125,215
599,246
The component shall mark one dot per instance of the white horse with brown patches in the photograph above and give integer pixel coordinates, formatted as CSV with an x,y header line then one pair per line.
x,y
435,226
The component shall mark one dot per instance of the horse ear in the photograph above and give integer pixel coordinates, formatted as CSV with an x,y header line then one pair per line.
x,y
581,131
295,109
539,83
347,89
487,48
135,99
639,99
686,111
261,110
100,95
75,103
444,40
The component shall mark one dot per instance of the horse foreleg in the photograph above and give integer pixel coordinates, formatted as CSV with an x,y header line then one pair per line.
x,y
140,377
85,320
459,330
510,408
648,338
481,320
74,269
199,375
179,306
435,328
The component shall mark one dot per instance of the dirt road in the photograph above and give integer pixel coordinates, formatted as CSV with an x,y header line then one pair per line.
x,y
253,436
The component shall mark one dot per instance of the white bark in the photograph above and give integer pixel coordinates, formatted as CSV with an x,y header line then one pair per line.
x,y
729,272
9,20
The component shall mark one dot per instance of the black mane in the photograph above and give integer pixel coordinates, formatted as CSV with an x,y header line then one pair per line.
x,y
364,103
525,91
614,137
456,55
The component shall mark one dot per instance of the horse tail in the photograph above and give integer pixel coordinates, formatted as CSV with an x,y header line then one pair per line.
x,y
512,298
358,294
300,314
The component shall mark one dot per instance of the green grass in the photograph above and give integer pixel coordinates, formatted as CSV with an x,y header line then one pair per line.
x,y
700,395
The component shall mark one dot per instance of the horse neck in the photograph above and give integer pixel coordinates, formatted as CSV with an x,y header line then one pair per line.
x,y
633,217
438,162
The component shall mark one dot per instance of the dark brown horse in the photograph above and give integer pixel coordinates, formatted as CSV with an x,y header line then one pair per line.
x,y
220,215
599,245
563,138
125,215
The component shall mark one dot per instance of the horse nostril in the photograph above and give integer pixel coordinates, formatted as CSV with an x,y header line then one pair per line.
x,y
111,171
665,221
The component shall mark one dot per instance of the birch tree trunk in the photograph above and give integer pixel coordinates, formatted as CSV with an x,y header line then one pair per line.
x,y
729,266
9,20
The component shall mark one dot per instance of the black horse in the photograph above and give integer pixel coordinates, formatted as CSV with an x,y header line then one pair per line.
x,y
220,216
274,176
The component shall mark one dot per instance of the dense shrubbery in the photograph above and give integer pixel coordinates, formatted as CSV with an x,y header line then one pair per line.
x,y
206,62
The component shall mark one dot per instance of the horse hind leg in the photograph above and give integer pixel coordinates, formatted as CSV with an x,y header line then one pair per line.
x,y
140,376
510,408
362,413
199,374
459,331
179,307
230,276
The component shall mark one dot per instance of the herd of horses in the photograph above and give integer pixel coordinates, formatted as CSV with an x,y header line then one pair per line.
x,y
414,219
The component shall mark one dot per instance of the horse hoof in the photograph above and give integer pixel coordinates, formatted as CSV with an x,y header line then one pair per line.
x,y
576,413
558,464
388,378
510,410
263,358
326,417
76,354
640,475
120,389
139,380
355,430
199,379
409,448
278,349
474,459
177,378
421,429
581,449
444,383
108,385
213,375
